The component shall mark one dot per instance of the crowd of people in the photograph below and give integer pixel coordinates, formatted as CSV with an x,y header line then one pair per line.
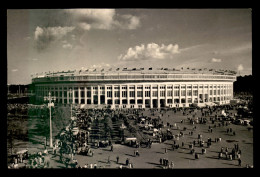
x,y
69,143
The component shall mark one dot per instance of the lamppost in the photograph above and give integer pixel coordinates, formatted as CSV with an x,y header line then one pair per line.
x,y
50,104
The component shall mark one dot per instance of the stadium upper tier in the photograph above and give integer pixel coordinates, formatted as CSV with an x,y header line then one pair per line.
x,y
135,74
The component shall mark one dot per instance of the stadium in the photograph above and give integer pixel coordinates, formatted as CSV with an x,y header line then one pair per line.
x,y
136,87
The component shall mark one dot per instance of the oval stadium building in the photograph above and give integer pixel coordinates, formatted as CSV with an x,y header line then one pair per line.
x,y
137,88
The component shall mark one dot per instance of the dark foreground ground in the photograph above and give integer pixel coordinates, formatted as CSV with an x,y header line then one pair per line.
x,y
149,158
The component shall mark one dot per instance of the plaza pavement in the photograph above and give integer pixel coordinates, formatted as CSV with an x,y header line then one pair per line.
x,y
149,158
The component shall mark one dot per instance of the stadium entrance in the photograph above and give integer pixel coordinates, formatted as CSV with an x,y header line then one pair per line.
x,y
155,103
162,103
147,103
102,99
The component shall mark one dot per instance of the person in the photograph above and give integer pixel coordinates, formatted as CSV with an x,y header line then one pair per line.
x,y
220,155
172,165
239,151
117,159
226,149
196,156
112,148
45,151
238,156
40,160
130,165
239,162
137,153
127,161
161,161
95,166
16,165
165,151
85,166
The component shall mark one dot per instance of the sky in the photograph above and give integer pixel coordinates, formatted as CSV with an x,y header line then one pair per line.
x,y
43,40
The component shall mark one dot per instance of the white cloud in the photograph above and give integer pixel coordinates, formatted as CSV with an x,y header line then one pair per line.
x,y
100,66
127,22
240,67
93,18
103,19
44,36
52,32
67,46
150,51
216,60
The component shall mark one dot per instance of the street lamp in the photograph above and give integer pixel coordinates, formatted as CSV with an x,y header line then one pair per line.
x,y
50,104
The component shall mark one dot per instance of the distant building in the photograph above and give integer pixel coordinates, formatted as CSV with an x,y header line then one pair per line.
x,y
137,88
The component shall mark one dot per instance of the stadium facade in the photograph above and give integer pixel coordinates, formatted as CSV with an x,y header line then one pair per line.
x,y
137,88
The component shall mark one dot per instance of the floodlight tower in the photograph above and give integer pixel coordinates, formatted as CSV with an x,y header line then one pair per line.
x,y
50,104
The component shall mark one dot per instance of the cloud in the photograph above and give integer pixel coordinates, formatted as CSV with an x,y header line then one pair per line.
x,y
44,36
215,60
240,67
80,20
150,51
128,22
106,19
66,45
99,66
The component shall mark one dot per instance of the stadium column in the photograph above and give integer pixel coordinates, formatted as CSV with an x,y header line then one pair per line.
x,y
105,94
158,98
127,94
135,94
120,95
165,96
143,96
92,95
98,95
172,95
192,98
226,93
85,94
73,95
203,93
62,94
151,96
113,95
79,96
221,95
179,95
68,96
186,96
